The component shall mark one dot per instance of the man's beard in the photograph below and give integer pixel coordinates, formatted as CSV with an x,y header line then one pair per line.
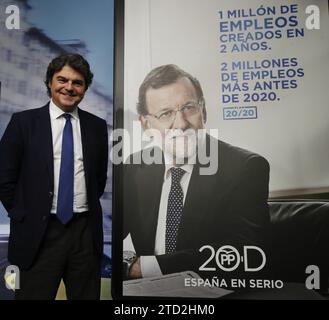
x,y
180,146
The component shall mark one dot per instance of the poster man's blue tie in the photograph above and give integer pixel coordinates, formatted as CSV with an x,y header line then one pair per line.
x,y
66,175
174,209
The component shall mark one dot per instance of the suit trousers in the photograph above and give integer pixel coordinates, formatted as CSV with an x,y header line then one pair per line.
x,y
67,253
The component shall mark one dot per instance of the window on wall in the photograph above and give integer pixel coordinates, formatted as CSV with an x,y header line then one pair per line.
x,y
22,87
23,64
8,81
8,55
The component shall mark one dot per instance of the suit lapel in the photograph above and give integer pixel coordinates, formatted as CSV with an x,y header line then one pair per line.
x,y
203,192
46,141
199,198
151,177
85,128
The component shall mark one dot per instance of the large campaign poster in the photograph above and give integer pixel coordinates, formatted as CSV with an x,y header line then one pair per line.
x,y
263,68
32,33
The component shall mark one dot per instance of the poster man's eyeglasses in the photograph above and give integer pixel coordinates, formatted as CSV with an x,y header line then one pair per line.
x,y
168,116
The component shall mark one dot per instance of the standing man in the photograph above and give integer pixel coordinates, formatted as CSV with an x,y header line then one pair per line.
x,y
53,170
172,210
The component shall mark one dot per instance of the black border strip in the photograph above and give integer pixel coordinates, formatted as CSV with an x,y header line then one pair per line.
x,y
117,177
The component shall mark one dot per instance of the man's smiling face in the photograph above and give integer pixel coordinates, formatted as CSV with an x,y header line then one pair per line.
x,y
67,88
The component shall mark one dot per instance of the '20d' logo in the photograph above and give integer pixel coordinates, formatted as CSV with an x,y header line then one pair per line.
x,y
228,258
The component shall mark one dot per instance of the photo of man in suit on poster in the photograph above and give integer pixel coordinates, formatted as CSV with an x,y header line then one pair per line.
x,y
53,170
170,208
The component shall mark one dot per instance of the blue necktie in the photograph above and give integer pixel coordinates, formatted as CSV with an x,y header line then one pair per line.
x,y
66,175
174,209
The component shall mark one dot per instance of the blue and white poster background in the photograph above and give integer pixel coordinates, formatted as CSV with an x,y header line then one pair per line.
x,y
263,72
45,30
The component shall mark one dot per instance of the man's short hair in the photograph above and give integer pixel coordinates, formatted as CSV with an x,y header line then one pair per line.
x,y
73,60
166,75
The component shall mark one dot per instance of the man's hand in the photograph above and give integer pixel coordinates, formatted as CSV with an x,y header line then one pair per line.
x,y
135,270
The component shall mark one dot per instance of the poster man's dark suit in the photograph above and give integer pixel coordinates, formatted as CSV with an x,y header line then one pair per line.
x,y
227,208
27,181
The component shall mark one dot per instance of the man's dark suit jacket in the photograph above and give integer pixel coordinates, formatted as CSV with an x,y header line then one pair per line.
x,y
227,208
27,178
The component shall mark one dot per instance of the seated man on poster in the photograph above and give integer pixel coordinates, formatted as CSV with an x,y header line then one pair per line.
x,y
176,216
